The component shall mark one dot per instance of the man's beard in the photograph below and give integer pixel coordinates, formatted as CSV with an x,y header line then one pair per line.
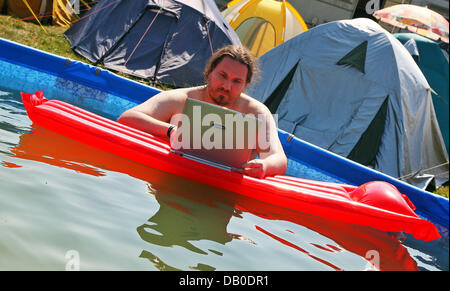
x,y
222,97
220,100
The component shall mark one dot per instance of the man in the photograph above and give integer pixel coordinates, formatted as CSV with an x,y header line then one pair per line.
x,y
229,72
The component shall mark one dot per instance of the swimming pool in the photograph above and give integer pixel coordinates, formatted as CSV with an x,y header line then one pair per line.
x,y
60,197
63,200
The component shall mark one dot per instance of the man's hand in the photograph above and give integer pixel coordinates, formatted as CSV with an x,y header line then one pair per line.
x,y
255,168
173,136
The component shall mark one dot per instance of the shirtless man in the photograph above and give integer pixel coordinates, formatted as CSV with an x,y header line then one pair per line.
x,y
227,75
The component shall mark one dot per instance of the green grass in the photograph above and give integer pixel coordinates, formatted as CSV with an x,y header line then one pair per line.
x,y
54,41
33,35
443,191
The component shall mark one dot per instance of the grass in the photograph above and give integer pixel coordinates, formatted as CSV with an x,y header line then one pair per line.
x,y
33,35
443,191
54,41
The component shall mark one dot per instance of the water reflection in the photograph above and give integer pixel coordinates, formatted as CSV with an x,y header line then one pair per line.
x,y
191,212
180,222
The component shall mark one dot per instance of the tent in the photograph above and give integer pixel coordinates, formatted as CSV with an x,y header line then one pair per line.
x,y
433,61
55,12
263,24
168,41
352,88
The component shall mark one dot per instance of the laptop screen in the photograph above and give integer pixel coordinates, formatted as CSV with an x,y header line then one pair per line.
x,y
215,133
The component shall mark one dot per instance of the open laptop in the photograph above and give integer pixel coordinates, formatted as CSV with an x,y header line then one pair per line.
x,y
215,135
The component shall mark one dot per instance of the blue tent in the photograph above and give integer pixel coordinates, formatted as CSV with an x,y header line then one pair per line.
x,y
352,88
167,41
433,61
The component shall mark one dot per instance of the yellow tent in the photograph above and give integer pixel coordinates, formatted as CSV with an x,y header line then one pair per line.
x,y
56,12
263,24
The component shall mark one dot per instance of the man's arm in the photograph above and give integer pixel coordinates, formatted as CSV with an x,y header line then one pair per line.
x,y
153,116
272,159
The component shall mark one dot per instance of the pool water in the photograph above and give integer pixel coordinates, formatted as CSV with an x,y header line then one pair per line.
x,y
65,205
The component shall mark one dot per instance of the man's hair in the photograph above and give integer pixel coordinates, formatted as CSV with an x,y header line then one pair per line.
x,y
237,53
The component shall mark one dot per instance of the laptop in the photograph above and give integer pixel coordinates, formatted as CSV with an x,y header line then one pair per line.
x,y
215,135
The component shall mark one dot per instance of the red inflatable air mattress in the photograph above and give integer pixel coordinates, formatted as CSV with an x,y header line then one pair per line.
x,y
376,204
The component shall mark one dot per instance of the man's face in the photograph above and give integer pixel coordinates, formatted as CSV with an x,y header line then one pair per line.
x,y
227,81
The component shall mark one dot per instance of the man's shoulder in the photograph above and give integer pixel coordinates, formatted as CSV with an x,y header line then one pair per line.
x,y
174,93
253,105
181,94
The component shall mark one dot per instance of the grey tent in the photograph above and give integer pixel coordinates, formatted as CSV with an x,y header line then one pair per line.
x,y
433,61
168,41
352,88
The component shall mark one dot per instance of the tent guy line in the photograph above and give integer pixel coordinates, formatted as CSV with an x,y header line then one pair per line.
x,y
35,17
143,35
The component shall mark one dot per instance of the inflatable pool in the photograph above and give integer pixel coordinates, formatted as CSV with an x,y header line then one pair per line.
x,y
27,69
376,204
